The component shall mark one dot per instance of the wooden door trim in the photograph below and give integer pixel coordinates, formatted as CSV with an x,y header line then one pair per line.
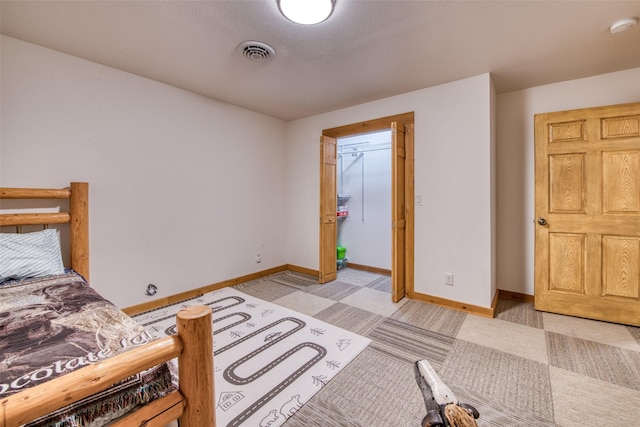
x,y
384,123
369,126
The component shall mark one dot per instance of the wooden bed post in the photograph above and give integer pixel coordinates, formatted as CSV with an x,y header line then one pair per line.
x,y
79,227
195,366
195,400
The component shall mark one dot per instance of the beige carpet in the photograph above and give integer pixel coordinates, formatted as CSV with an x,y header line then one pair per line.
x,y
523,368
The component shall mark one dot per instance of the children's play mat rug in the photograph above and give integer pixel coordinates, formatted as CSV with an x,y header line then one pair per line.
x,y
268,360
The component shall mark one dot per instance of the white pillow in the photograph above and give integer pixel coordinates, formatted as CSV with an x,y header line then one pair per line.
x,y
30,255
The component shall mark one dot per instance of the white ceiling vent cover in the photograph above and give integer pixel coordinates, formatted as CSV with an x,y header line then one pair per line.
x,y
256,51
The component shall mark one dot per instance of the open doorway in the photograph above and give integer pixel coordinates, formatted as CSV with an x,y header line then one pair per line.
x,y
364,201
401,225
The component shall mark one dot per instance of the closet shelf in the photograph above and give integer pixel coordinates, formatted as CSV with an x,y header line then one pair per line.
x,y
343,209
343,198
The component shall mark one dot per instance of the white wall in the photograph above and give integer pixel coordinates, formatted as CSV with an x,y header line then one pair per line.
x,y
184,190
150,151
516,161
367,235
453,175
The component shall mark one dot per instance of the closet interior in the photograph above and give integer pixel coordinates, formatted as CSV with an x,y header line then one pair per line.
x,y
364,200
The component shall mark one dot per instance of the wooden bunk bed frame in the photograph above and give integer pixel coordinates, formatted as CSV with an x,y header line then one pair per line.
x,y
192,404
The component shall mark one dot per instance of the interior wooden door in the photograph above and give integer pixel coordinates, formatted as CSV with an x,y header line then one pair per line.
x,y
398,211
409,182
328,206
587,206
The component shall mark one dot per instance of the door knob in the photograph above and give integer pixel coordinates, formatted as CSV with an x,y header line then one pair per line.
x,y
542,221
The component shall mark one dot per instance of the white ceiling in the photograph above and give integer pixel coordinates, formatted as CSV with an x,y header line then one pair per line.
x,y
367,50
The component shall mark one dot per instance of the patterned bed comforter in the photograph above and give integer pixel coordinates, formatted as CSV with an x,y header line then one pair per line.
x,y
55,325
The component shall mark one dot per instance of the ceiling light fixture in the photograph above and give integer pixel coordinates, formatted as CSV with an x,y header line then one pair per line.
x,y
622,25
306,12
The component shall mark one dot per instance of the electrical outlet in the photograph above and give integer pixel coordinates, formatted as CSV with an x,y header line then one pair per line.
x,y
448,279
258,258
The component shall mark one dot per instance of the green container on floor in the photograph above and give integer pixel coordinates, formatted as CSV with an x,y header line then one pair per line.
x,y
341,252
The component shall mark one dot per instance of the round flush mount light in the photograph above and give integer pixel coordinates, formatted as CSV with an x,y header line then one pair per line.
x,y
306,12
622,25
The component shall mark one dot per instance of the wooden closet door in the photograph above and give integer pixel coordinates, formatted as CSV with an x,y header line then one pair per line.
x,y
328,209
398,212
587,202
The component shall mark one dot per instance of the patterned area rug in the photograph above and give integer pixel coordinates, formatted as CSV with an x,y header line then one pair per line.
x,y
268,360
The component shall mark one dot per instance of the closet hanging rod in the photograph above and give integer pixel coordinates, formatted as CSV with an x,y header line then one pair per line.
x,y
366,150
351,144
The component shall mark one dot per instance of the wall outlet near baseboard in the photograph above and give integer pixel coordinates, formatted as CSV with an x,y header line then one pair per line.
x,y
258,258
448,279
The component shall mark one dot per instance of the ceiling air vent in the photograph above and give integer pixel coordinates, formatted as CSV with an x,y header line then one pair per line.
x,y
256,51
